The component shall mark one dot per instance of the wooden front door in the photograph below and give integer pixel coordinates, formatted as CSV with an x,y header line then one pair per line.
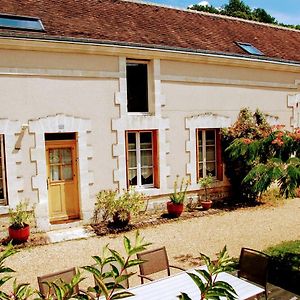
x,y
62,180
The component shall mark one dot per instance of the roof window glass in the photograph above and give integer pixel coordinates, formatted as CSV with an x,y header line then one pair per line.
x,y
249,48
19,22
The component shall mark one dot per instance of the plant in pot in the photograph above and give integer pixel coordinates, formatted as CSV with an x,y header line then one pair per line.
x,y
206,182
118,207
19,229
206,278
176,204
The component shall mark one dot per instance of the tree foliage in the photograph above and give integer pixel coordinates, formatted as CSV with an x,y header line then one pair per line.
x,y
257,155
239,9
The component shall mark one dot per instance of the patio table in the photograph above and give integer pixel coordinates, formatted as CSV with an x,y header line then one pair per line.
x,y
168,288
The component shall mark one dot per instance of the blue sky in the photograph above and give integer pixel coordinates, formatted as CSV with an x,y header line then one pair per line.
x,y
285,11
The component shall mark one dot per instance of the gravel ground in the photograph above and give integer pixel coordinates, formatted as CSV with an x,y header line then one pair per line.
x,y
257,227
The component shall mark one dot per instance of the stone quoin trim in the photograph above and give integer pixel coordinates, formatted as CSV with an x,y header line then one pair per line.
x,y
13,160
128,121
204,121
294,102
58,124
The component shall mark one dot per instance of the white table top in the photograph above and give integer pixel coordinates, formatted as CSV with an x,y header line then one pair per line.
x,y
169,288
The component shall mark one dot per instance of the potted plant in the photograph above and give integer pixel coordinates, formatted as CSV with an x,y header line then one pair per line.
x,y
176,204
205,182
19,229
118,207
206,278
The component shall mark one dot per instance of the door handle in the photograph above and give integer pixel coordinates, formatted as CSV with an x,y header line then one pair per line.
x,y
48,183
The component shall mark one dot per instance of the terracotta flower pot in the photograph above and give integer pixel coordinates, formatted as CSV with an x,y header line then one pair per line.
x,y
206,204
19,235
174,210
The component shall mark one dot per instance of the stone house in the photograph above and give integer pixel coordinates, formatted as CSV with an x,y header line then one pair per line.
x,y
110,94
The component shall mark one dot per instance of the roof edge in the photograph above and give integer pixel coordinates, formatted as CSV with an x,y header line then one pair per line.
x,y
105,43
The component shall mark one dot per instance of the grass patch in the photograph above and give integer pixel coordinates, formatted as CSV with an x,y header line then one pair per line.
x,y
285,265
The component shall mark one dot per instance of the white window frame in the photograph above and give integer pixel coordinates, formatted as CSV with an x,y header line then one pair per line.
x,y
3,201
204,148
139,160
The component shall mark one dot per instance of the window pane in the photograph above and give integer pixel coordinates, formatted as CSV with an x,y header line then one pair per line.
x,y
211,169
210,137
200,170
147,175
67,172
1,189
133,177
21,23
66,155
132,159
200,142
54,156
146,140
55,173
146,158
131,140
137,87
210,153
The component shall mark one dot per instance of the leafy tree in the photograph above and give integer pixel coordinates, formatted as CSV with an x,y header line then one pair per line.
x,y
238,9
257,155
261,15
205,8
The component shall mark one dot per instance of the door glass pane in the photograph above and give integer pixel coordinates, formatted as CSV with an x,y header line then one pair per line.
x,y
67,172
66,155
132,159
147,175
146,140
55,173
133,177
131,141
146,158
54,156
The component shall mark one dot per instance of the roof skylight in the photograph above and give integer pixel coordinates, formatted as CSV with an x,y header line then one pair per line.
x,y
249,48
20,22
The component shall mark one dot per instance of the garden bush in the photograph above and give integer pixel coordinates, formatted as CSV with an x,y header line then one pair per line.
x,y
257,154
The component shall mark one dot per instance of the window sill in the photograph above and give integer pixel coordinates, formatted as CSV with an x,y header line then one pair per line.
x,y
3,209
145,114
149,191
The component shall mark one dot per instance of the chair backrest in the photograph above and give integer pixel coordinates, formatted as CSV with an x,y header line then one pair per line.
x,y
65,275
253,266
155,260
107,268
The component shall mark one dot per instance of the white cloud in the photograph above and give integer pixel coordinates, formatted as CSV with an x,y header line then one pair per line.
x,y
203,3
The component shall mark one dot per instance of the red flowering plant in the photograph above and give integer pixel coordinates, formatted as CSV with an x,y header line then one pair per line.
x,y
257,155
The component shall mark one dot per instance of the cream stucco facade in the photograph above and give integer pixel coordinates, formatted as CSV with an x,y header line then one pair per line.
x,y
56,87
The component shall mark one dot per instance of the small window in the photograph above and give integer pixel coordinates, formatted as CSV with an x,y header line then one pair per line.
x,y
137,87
3,189
142,158
249,48
209,159
19,22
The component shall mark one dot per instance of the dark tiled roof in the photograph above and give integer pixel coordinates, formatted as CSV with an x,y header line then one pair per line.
x,y
120,21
